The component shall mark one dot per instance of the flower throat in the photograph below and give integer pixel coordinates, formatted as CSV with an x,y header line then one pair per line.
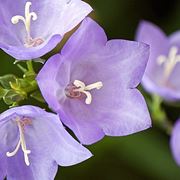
x,y
78,89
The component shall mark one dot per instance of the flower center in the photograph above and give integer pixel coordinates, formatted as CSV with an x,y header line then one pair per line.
x,y
21,125
30,42
169,61
78,88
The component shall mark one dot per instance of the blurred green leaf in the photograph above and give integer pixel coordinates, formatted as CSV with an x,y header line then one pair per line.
x,y
6,79
12,97
2,92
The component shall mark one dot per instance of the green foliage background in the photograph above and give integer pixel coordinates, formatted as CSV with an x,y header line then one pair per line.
x,y
142,156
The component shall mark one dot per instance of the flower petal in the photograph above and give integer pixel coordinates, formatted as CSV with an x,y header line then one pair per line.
x,y
89,31
174,142
63,149
128,116
3,166
175,39
114,113
23,53
39,169
58,16
155,37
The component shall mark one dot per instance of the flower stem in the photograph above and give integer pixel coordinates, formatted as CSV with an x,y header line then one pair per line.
x,y
30,66
158,114
24,70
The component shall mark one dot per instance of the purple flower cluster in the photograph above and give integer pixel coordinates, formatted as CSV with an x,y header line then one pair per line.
x,y
91,85
162,73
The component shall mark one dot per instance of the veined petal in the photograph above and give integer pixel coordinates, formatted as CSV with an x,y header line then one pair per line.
x,y
119,121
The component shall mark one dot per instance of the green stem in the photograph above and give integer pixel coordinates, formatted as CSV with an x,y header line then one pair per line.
x,y
24,70
158,114
30,66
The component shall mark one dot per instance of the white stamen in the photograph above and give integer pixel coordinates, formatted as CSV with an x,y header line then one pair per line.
x,y
85,89
169,61
27,19
21,143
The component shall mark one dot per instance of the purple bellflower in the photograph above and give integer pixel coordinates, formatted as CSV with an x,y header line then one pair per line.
x,y
174,142
33,143
30,29
92,84
163,68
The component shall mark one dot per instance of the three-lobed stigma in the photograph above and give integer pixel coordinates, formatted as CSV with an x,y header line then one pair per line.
x,y
78,88
29,42
21,143
169,61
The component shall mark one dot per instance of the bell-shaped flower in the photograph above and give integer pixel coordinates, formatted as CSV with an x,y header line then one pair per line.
x,y
92,84
30,29
163,68
33,143
174,142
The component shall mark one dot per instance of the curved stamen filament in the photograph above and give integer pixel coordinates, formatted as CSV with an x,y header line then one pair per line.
x,y
27,19
21,143
85,89
169,61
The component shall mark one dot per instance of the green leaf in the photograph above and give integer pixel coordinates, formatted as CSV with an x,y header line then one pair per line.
x,y
6,79
12,97
2,92
37,95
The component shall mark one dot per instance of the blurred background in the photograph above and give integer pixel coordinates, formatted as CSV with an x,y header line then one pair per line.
x,y
145,155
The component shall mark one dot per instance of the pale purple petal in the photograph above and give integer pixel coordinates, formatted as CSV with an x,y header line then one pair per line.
x,y
3,166
175,38
23,53
175,142
129,116
119,64
152,35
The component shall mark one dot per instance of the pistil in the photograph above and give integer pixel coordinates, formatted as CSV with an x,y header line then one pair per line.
x,y
30,42
21,143
169,61
82,88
